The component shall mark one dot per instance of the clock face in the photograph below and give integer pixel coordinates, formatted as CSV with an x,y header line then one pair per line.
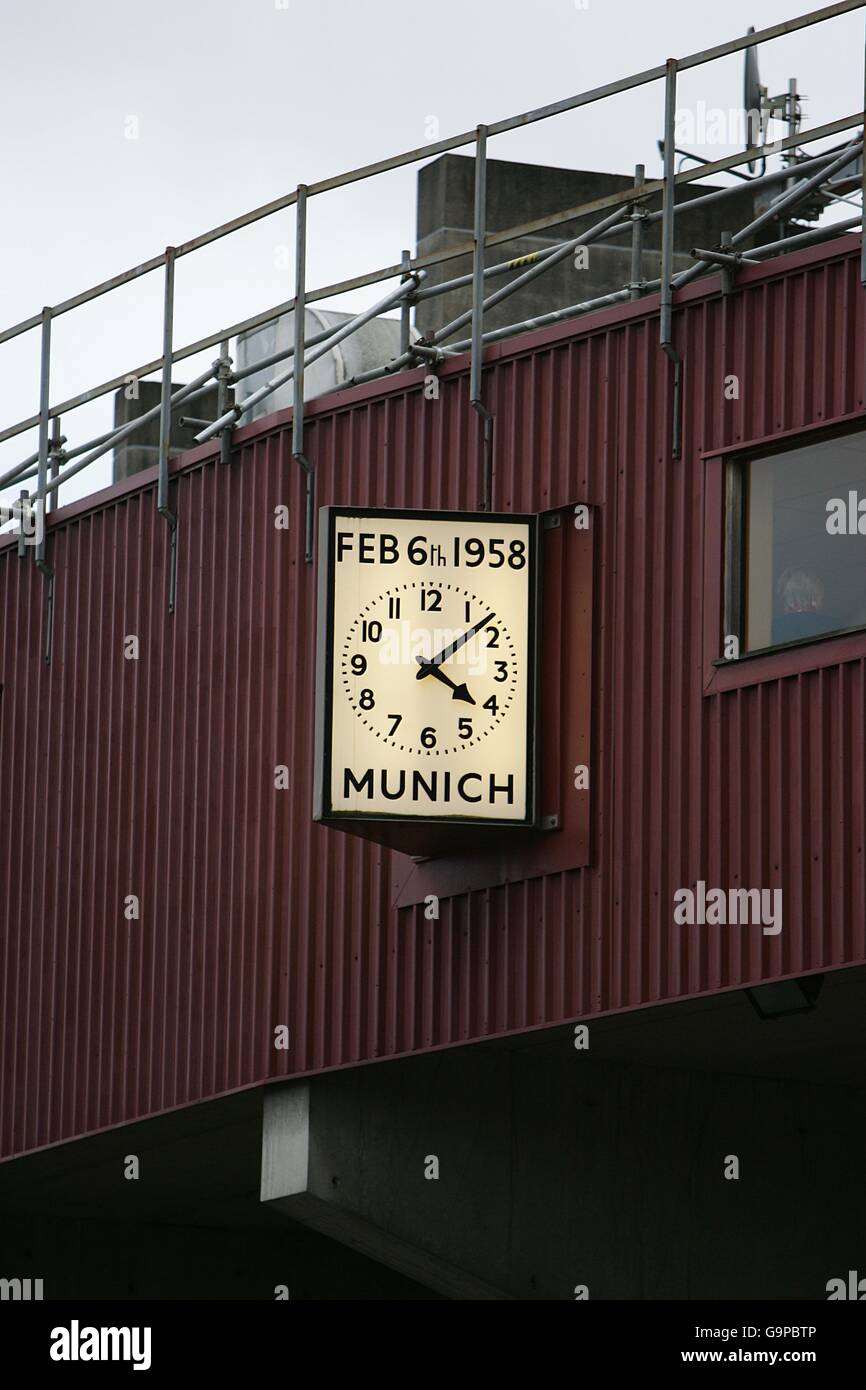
x,y
461,699
426,666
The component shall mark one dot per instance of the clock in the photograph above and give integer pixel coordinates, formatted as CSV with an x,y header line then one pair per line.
x,y
426,667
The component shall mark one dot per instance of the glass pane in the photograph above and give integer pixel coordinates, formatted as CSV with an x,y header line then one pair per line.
x,y
805,556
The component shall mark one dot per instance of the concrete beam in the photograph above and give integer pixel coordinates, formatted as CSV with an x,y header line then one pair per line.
x,y
296,1181
541,1170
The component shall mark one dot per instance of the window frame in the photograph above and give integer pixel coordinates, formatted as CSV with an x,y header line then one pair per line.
x,y
725,566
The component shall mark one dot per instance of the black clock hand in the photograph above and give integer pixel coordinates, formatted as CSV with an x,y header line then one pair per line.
x,y
459,692
434,661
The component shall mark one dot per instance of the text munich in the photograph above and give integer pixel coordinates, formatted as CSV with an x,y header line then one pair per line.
x,y
437,785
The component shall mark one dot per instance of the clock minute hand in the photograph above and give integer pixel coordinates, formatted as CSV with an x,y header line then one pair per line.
x,y
453,647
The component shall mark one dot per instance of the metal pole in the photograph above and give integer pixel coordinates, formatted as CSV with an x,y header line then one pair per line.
x,y
459,282
299,317
496,335
798,190
791,243
165,424
668,214
789,158
299,364
55,452
42,474
406,308
44,388
23,509
222,382
424,152
863,185
224,372
274,357
727,262
476,399
455,142
478,235
619,229
787,200
602,301
559,254
668,203
200,345
638,217
105,442
762,181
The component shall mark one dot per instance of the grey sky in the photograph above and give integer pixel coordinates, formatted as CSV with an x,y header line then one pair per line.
x,y
239,100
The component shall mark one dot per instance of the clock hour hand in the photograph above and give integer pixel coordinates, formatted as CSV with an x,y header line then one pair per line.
x,y
452,647
458,692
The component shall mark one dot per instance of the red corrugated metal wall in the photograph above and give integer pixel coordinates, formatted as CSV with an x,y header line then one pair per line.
x,y
155,776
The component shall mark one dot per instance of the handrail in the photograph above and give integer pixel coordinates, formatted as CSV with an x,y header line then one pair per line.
x,y
620,214
413,156
512,233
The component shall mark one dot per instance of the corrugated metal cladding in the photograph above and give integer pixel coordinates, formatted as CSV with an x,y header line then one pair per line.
x,y
155,776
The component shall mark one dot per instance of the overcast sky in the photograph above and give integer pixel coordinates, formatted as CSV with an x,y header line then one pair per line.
x,y
234,102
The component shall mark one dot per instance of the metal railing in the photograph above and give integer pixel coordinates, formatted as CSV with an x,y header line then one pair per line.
x,y
621,213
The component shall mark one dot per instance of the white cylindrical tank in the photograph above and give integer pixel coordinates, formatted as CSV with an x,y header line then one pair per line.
x,y
374,345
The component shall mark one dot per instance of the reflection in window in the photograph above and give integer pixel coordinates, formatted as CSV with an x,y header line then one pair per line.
x,y
801,580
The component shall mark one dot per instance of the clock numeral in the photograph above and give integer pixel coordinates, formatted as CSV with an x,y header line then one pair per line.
x,y
372,631
366,700
393,608
502,667
359,664
428,738
431,600
464,728
492,705
398,720
492,636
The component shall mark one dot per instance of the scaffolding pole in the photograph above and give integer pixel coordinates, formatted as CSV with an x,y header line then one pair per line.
x,y
50,455
559,254
476,398
863,177
40,551
165,425
787,200
298,453
667,287
105,442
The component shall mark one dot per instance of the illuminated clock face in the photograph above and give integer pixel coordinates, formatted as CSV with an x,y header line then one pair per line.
x,y
430,668
426,666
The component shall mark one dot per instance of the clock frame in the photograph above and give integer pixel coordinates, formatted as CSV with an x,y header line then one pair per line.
x,y
453,727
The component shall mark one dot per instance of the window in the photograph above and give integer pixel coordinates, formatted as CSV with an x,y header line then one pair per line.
x,y
796,543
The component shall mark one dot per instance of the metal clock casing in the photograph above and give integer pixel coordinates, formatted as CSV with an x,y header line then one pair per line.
x,y
426,666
